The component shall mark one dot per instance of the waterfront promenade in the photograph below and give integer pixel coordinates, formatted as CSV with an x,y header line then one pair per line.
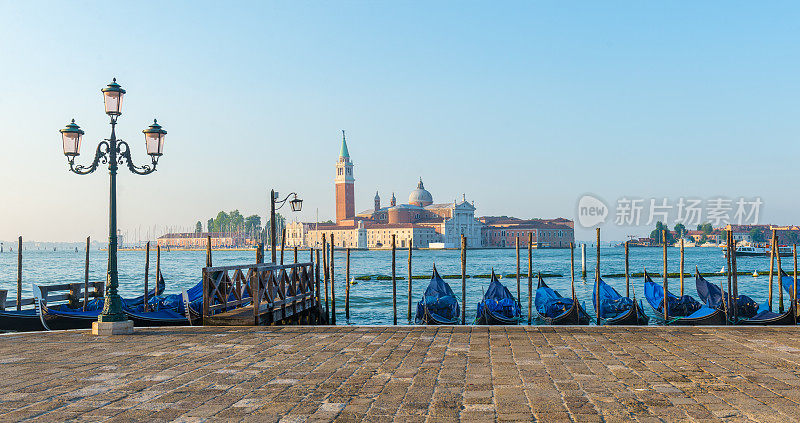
x,y
295,374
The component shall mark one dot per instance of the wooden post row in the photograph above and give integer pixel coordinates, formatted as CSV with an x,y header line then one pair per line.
x,y
147,272
86,275
463,279
333,285
394,279
530,277
410,241
347,287
666,291
519,294
19,274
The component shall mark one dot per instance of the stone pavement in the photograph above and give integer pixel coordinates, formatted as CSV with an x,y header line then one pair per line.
x,y
407,374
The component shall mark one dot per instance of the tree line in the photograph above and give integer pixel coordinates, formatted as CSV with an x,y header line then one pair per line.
x,y
235,222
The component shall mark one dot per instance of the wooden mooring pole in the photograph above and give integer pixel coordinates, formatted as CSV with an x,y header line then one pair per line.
x,y
19,274
530,277
597,279
735,278
463,279
208,251
394,279
666,291
794,282
572,268
158,265
519,293
283,239
319,295
347,287
627,271
728,270
295,254
681,267
147,273
780,277
86,276
410,278
583,261
325,276
771,264
259,253
333,284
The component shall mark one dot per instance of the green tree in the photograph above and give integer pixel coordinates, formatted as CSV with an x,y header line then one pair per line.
x,y
705,228
252,224
221,222
236,220
657,233
680,230
198,227
210,225
757,235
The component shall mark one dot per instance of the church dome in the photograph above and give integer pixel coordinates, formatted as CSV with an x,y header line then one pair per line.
x,y
420,196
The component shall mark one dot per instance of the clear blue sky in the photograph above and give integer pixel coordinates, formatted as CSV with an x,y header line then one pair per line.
x,y
523,106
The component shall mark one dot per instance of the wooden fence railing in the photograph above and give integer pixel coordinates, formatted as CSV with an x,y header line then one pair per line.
x,y
258,293
74,294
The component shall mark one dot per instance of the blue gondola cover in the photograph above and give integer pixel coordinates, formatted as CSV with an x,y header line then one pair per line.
x,y
499,301
439,301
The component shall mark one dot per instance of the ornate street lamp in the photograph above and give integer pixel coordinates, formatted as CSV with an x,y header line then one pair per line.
x,y
114,152
297,205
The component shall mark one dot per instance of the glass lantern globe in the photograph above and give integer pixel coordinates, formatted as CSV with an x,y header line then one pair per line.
x,y
71,137
112,96
297,204
154,139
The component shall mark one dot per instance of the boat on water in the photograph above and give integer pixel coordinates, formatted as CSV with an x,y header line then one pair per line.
x,y
184,309
24,320
64,317
498,306
683,310
557,310
438,305
748,312
758,251
614,309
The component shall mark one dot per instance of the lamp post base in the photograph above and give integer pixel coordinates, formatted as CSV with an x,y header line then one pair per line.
x,y
124,327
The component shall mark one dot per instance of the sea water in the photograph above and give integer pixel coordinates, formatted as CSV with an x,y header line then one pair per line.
x,y
371,301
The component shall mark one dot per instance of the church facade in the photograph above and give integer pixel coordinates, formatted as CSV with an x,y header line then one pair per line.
x,y
420,222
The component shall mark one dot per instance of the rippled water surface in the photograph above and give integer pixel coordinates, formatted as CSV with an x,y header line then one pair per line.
x,y
371,301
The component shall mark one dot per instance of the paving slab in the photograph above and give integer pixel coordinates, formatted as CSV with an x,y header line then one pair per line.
x,y
379,373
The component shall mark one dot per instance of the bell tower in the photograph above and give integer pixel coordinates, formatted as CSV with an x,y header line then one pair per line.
x,y
345,183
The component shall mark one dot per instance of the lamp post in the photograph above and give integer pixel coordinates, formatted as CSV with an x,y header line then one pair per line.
x,y
114,152
297,205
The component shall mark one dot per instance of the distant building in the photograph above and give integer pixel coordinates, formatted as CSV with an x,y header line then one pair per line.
x,y
697,236
502,231
420,221
200,239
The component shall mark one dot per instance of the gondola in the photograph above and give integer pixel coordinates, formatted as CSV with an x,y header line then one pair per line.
x,y
787,282
498,306
64,317
438,305
683,310
557,310
25,320
170,310
748,311
616,309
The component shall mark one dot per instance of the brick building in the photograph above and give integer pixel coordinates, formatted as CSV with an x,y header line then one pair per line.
x,y
502,231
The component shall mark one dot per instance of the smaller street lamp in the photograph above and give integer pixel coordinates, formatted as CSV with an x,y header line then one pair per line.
x,y
71,137
297,205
